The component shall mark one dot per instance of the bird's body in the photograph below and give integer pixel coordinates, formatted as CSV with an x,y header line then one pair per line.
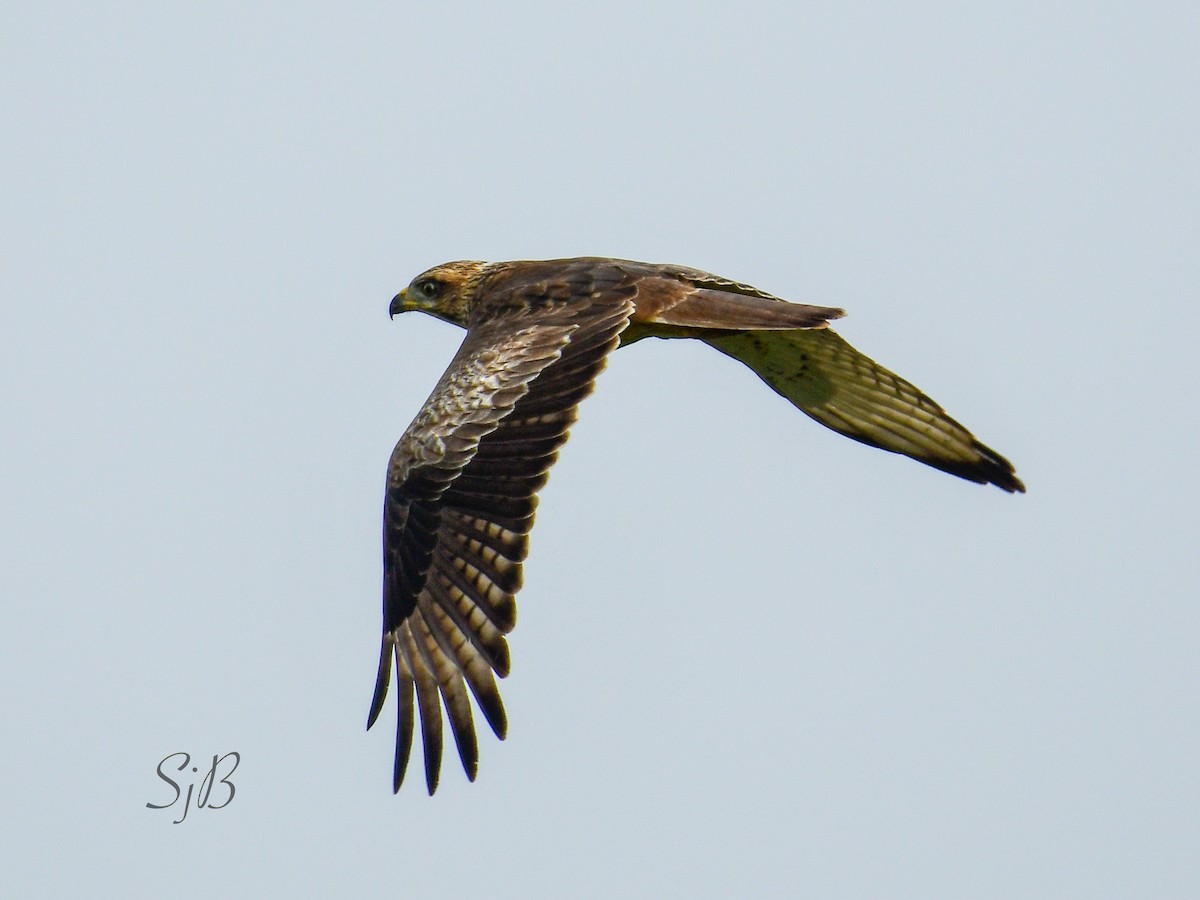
x,y
462,482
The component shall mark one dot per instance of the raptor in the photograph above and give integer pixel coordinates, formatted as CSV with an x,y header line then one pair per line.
x,y
462,482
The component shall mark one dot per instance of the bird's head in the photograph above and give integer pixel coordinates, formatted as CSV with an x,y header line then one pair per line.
x,y
444,291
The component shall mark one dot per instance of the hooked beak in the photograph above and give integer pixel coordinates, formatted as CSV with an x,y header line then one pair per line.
x,y
399,304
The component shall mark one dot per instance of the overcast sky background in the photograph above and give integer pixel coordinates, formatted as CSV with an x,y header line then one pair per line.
x,y
753,658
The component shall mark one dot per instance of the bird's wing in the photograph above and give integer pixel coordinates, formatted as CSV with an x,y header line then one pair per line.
x,y
460,499
826,378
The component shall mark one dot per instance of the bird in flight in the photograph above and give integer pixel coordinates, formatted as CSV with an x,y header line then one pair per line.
x,y
462,482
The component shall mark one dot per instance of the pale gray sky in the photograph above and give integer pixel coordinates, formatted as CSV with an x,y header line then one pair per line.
x,y
753,658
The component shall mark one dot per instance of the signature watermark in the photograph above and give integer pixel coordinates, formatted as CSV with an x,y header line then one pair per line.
x,y
218,774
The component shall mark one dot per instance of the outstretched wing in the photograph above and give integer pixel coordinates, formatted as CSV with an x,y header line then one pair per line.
x,y
826,378
461,494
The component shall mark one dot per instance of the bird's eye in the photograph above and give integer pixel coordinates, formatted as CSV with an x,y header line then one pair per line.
x,y
428,288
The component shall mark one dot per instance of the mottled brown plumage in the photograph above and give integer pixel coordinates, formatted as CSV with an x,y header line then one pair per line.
x,y
462,482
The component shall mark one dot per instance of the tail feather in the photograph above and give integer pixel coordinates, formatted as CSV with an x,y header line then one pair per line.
x,y
722,310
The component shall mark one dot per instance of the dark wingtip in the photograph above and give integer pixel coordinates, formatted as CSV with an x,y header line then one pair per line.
x,y
398,768
493,713
988,468
404,733
1013,484
382,678
376,706
995,469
